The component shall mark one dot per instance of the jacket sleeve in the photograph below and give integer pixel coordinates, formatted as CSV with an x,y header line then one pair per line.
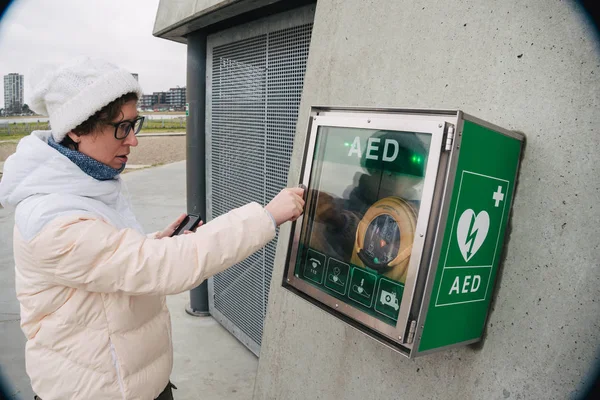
x,y
91,254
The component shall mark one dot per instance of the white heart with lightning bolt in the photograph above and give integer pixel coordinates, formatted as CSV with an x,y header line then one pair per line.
x,y
471,232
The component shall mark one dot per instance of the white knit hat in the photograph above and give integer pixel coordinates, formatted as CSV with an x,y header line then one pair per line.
x,y
75,91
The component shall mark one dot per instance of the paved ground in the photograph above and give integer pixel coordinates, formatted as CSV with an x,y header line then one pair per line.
x,y
209,362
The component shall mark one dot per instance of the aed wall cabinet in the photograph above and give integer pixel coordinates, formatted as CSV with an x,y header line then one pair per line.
x,y
404,223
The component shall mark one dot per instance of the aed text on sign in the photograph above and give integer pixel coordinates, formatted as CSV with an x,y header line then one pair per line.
x,y
470,284
386,149
463,285
391,154
372,149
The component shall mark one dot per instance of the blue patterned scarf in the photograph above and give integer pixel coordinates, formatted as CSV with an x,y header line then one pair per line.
x,y
87,164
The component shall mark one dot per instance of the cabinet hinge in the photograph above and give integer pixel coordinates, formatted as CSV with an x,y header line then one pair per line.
x,y
411,332
449,134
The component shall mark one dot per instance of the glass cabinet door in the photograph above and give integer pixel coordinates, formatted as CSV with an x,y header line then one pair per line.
x,y
364,196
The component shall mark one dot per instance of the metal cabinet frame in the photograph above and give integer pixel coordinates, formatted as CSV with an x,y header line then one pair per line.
x,y
445,126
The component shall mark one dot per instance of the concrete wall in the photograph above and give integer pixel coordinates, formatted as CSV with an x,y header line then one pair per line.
x,y
175,19
171,12
529,66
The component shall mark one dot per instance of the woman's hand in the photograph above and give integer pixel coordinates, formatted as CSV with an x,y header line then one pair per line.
x,y
169,230
288,205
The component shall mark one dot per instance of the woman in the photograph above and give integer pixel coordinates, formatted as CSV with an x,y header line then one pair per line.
x,y
91,286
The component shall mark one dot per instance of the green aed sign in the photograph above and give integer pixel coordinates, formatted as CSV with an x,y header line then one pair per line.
x,y
473,238
405,222
480,212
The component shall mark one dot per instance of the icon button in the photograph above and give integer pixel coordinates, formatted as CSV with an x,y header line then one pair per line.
x,y
389,296
362,286
336,277
314,267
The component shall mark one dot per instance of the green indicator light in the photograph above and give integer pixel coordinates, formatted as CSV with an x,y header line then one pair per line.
x,y
347,144
416,159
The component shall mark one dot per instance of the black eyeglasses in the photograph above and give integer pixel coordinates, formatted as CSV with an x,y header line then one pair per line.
x,y
124,128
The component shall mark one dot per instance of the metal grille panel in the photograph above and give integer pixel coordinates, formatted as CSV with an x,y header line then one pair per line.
x,y
256,89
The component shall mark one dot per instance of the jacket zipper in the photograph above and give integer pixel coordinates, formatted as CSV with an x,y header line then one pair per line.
x,y
116,364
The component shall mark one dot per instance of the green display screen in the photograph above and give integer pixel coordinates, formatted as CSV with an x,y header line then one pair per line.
x,y
363,200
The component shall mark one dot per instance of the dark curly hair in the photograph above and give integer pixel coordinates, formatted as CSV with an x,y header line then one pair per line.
x,y
107,114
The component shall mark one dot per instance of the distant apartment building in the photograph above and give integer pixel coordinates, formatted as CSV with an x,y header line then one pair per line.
x,y
154,100
161,99
13,91
147,101
173,99
176,97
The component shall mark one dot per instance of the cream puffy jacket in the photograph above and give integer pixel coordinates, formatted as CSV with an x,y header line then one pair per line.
x,y
92,286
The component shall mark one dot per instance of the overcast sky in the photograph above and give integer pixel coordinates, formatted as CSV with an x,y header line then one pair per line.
x,y
120,31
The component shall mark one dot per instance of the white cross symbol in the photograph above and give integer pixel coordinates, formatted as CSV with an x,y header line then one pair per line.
x,y
498,196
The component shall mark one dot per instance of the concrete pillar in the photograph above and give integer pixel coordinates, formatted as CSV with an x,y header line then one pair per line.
x,y
529,66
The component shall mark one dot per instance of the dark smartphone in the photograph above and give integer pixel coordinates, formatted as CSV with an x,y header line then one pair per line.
x,y
189,223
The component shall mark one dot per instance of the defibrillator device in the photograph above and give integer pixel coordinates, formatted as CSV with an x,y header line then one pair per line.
x,y
384,238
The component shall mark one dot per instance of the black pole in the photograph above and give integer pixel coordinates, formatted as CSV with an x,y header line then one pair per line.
x,y
196,149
